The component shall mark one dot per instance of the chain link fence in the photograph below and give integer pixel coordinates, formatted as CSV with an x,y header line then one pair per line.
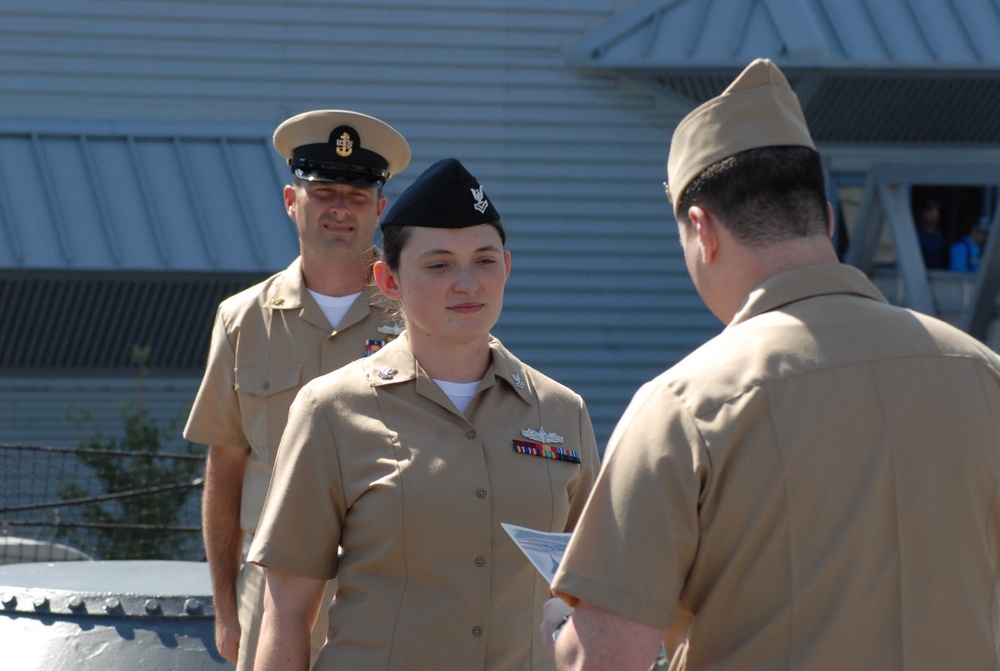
x,y
99,502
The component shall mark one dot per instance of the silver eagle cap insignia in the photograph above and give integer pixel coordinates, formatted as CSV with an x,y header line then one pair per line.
x,y
481,203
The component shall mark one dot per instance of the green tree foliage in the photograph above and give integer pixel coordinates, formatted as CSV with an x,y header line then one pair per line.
x,y
136,514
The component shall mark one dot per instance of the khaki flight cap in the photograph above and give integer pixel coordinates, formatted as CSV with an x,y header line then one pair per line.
x,y
759,109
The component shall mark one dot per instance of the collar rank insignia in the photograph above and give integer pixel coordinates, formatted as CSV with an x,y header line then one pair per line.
x,y
391,329
518,382
387,373
481,203
541,436
546,451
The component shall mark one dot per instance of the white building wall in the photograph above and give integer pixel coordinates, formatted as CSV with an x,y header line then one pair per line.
x,y
574,161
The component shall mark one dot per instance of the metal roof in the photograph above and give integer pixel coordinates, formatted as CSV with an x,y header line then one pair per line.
x,y
162,200
887,71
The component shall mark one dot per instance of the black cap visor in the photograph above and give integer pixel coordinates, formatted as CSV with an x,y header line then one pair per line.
x,y
355,175
319,163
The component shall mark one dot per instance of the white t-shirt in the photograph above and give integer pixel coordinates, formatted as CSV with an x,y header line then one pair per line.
x,y
334,307
460,393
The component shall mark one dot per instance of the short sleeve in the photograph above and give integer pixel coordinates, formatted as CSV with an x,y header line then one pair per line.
x,y
215,416
638,535
300,526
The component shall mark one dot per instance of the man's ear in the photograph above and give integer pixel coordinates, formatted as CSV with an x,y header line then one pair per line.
x,y
706,230
829,220
289,194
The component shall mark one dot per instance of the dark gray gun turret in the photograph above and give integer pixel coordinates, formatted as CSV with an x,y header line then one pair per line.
x,y
107,615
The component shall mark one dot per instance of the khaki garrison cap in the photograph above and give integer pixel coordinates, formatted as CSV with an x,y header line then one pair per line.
x,y
759,109
341,146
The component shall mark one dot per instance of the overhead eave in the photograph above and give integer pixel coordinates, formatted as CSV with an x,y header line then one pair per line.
x,y
166,199
897,71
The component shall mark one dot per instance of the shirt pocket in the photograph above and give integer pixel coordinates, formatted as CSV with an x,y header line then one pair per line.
x,y
267,380
265,394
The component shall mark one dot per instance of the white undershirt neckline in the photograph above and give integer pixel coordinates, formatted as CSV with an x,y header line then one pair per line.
x,y
334,307
460,393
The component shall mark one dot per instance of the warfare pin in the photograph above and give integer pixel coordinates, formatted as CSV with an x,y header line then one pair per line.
x,y
542,436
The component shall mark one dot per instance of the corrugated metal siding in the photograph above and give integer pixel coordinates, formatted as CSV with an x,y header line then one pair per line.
x,y
598,298
66,411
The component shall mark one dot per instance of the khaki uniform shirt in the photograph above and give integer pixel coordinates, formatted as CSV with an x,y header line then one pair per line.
x,y
377,459
267,342
819,485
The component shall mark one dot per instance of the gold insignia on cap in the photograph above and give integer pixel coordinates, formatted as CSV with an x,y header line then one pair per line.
x,y
344,145
319,126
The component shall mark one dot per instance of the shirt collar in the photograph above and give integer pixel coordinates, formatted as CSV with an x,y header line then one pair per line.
x,y
806,282
289,292
395,363
286,292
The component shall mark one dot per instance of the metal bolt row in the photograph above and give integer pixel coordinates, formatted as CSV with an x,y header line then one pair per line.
x,y
112,605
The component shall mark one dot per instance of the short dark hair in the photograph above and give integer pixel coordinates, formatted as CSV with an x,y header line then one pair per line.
x,y
763,195
394,239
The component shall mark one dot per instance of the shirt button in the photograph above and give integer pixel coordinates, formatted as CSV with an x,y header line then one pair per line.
x,y
481,493
477,631
266,386
470,434
480,561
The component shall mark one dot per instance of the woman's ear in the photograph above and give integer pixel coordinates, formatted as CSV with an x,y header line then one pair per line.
x,y
386,281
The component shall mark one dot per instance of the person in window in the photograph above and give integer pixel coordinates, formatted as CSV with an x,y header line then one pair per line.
x,y
932,242
965,252
409,460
